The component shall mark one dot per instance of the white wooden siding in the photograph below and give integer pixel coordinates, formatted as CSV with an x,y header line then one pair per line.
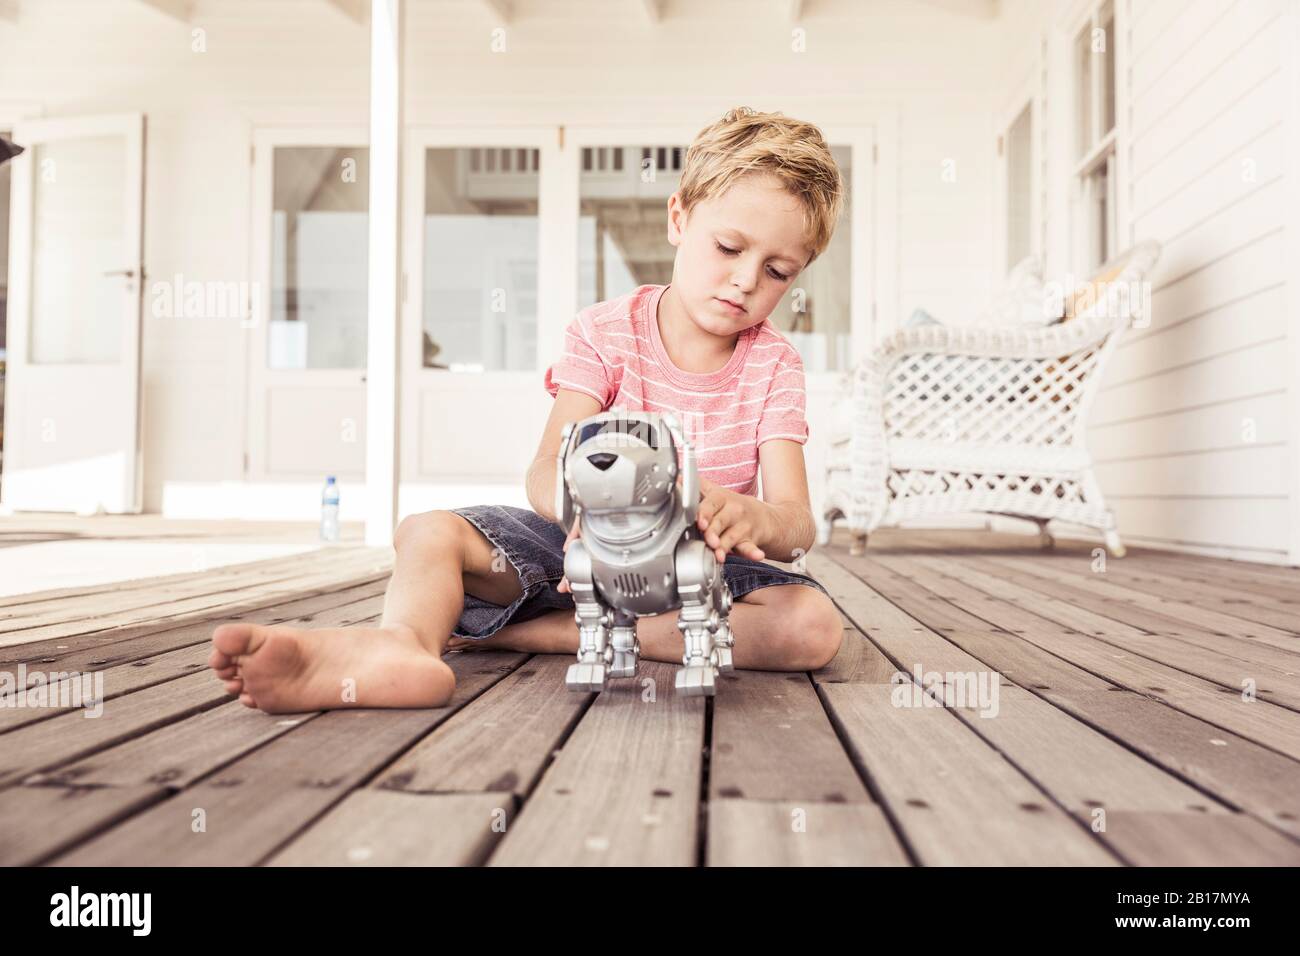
x,y
1194,428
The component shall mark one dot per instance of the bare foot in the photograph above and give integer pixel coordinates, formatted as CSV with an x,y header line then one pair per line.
x,y
290,669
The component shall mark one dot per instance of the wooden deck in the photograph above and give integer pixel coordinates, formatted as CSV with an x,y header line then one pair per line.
x,y
1147,714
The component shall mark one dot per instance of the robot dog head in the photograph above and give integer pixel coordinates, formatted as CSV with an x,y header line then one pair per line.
x,y
620,468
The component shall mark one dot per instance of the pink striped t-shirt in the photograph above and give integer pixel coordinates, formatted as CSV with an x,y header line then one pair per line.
x,y
614,353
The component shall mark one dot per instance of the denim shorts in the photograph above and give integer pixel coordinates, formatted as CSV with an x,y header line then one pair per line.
x,y
535,547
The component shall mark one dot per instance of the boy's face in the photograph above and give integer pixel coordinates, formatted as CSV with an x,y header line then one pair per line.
x,y
746,245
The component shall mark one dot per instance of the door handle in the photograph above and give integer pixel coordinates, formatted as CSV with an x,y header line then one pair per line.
x,y
129,273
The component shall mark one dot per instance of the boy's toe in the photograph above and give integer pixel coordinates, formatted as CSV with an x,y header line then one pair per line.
x,y
235,640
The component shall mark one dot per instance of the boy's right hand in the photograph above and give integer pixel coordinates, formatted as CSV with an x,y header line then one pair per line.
x,y
574,532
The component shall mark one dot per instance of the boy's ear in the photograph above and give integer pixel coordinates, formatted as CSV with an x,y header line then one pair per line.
x,y
676,219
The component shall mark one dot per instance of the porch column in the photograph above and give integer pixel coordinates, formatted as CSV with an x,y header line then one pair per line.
x,y
383,379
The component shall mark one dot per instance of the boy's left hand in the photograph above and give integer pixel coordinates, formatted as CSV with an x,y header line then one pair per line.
x,y
730,521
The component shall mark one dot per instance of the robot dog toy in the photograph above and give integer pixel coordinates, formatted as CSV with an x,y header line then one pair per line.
x,y
640,552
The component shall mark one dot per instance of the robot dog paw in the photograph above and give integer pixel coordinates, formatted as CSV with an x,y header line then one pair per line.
x,y
585,677
724,659
696,680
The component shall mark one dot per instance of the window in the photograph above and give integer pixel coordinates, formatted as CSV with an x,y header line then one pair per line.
x,y
480,258
814,312
319,257
1094,186
1018,147
623,219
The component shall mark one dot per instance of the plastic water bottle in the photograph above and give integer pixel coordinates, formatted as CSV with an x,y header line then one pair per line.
x,y
329,510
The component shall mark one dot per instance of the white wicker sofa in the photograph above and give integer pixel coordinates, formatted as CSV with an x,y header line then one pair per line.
x,y
946,421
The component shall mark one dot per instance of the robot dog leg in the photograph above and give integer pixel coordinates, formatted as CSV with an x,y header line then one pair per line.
x,y
723,641
701,588
594,621
626,648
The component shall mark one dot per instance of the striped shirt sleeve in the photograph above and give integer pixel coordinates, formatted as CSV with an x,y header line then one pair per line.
x,y
581,368
784,412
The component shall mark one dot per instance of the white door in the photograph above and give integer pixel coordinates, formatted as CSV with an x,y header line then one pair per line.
x,y
72,403
307,338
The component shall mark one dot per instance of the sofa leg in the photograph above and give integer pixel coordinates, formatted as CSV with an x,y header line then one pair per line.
x,y
858,544
1045,540
1114,545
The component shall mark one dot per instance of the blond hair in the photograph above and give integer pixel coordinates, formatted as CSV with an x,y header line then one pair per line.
x,y
746,141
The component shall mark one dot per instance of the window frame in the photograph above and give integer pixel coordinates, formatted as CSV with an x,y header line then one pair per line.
x,y
1102,151
1029,94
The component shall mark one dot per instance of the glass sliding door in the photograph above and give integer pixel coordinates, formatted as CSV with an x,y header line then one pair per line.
x,y
476,285
480,237
306,400
623,218
319,258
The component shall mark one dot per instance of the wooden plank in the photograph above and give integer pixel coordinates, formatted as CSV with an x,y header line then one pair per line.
x,y
772,740
784,833
906,638
1151,619
625,789
9,602
1221,660
1242,773
177,755
390,828
107,648
857,662
1234,769
971,589
1081,769
98,601
172,611
1219,840
1096,780
1105,592
79,812
154,669
113,783
255,805
502,740
59,623
49,743
866,606
1281,578
1206,593
1257,720
781,788
964,804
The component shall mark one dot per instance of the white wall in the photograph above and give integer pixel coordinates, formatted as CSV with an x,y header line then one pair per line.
x,y
1196,429
288,62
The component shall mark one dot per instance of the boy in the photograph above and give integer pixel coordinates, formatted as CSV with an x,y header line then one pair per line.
x,y
758,200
